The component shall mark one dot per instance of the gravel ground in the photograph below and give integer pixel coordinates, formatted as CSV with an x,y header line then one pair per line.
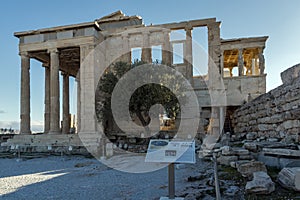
x,y
77,177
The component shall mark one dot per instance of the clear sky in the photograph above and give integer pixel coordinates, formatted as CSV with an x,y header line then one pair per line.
x,y
280,20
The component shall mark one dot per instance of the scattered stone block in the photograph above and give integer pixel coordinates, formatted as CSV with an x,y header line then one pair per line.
x,y
232,190
272,139
282,152
261,184
205,153
226,160
251,136
251,146
226,150
247,169
245,157
235,164
294,164
240,151
289,178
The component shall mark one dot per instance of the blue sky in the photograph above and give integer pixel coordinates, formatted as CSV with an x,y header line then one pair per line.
x,y
280,20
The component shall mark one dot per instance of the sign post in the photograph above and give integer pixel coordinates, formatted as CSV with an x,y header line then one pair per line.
x,y
174,151
171,171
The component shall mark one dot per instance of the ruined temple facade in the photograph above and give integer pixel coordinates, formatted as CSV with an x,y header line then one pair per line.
x,y
64,49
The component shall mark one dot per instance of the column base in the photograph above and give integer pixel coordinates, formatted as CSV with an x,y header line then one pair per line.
x,y
25,133
54,133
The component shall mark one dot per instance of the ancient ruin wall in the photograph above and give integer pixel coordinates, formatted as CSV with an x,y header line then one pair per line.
x,y
275,114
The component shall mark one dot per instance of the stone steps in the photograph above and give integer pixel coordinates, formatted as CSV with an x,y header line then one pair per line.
x,y
43,140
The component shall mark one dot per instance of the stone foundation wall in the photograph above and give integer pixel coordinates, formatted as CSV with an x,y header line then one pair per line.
x,y
275,114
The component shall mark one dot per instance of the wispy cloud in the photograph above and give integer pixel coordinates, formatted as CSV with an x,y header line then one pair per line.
x,y
2,111
9,124
36,126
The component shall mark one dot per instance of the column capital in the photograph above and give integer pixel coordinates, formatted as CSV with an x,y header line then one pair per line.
x,y
52,50
188,27
214,25
46,65
261,50
166,30
65,73
87,46
24,53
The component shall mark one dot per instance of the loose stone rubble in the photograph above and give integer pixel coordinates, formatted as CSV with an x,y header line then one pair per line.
x,y
261,183
266,133
248,168
290,178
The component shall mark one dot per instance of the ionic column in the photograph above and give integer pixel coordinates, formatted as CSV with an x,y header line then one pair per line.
x,y
261,58
126,49
54,92
78,117
25,94
166,49
47,100
146,51
66,104
189,53
241,62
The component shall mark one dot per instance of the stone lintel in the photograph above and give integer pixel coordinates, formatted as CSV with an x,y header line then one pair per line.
x,y
183,25
237,43
58,44
56,29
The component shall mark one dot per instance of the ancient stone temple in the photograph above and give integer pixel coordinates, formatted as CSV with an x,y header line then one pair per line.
x,y
65,49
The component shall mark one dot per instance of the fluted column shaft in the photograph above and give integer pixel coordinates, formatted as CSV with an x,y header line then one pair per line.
x,y
66,105
78,117
25,94
54,92
47,100
189,53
